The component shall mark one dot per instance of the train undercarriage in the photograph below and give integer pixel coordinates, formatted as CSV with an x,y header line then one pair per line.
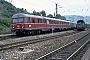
x,y
20,32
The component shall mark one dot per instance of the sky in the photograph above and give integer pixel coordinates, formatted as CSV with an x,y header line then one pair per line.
x,y
65,7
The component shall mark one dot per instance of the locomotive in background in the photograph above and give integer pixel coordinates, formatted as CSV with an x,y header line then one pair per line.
x,y
80,26
31,24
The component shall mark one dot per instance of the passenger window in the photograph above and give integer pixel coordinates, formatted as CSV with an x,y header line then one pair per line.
x,y
33,21
44,21
49,22
52,22
39,20
28,19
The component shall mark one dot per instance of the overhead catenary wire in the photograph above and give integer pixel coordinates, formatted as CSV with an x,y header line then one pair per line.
x,y
74,8
35,5
52,1
30,4
82,10
71,6
49,9
87,6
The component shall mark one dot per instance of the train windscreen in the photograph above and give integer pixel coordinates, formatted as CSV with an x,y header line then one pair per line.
x,y
18,20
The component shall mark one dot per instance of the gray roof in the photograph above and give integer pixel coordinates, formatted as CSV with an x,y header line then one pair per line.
x,y
25,15
34,16
57,19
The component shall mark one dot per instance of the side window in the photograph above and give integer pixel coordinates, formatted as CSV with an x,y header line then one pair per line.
x,y
49,22
52,22
28,19
39,20
44,21
33,21
55,22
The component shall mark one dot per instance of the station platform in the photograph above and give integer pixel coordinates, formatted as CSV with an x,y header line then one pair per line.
x,y
86,55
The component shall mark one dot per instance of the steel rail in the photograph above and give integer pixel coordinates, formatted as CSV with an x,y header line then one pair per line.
x,y
72,56
20,43
53,52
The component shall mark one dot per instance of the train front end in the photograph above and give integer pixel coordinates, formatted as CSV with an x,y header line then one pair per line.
x,y
17,24
80,25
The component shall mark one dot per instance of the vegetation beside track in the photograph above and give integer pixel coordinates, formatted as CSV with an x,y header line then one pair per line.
x,y
7,10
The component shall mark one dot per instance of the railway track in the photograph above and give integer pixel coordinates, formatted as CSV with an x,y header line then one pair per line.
x,y
69,51
20,43
4,37
12,36
79,54
36,49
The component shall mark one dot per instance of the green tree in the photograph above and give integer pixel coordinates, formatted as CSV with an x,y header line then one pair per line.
x,y
7,10
34,12
43,13
63,18
22,9
50,15
38,13
58,16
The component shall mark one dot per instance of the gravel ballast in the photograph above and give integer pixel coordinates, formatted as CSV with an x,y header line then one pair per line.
x,y
34,51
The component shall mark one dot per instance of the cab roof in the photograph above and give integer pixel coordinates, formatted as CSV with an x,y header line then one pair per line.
x,y
25,15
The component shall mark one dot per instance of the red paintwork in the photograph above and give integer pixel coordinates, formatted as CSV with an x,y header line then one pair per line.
x,y
40,25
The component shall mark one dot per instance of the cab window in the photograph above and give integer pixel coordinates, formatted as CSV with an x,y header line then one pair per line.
x,y
21,20
15,20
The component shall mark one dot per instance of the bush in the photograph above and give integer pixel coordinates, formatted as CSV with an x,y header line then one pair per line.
x,y
5,25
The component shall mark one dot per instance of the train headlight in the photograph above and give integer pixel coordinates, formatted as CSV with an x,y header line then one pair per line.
x,y
22,26
13,26
29,25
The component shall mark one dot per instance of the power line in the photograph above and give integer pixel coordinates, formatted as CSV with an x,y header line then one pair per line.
x,y
11,1
71,6
31,4
35,5
52,2
66,4
87,5
56,7
82,10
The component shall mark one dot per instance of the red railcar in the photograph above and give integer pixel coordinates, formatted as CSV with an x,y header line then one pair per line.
x,y
31,24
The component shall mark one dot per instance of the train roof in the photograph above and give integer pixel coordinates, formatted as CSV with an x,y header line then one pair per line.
x,y
80,21
34,16
58,19
25,15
